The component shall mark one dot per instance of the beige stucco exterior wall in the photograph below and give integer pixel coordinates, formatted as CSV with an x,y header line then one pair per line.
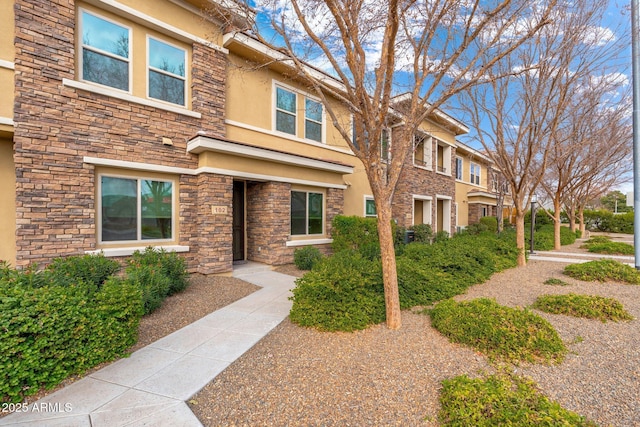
x,y
463,186
8,205
250,119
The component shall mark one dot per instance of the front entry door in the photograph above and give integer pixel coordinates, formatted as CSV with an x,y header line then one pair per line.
x,y
238,221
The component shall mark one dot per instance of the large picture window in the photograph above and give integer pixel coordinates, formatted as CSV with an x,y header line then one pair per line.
x,y
135,209
307,213
105,52
166,72
285,111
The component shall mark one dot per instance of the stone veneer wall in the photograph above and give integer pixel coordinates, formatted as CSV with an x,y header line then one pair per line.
x,y
418,181
56,125
268,221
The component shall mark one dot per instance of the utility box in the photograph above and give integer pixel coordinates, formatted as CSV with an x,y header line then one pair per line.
x,y
409,236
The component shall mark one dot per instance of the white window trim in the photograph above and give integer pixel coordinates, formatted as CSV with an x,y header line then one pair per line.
x,y
82,47
9,65
298,93
139,240
183,78
118,252
306,242
114,93
368,197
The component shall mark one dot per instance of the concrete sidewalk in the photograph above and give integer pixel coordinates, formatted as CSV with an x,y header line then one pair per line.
x,y
577,258
150,387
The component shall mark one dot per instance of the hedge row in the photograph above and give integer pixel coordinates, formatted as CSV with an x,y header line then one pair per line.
x,y
75,314
345,291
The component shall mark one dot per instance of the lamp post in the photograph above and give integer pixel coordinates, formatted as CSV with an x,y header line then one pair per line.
x,y
534,199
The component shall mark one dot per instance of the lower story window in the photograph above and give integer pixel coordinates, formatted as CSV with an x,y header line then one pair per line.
x,y
370,208
307,213
134,209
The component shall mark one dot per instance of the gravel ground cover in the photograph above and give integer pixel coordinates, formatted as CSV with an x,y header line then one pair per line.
x,y
297,376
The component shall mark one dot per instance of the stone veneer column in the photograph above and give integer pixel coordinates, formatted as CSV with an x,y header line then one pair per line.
x,y
268,222
215,230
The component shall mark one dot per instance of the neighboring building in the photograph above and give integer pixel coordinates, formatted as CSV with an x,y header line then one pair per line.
x,y
477,186
139,123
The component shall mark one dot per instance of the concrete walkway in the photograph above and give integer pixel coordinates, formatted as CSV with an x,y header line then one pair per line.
x,y
577,258
150,387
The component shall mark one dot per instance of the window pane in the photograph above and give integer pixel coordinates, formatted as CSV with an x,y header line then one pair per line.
x,y
313,110
298,212
167,58
313,131
105,70
166,88
119,209
156,207
285,122
286,100
370,208
315,213
104,35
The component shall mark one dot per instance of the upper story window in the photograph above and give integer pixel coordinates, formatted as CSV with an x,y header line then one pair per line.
x,y
166,65
312,120
285,111
105,52
308,124
443,152
474,174
458,168
422,147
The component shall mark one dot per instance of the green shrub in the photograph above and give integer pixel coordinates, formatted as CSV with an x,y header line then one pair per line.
x,y
423,233
544,237
169,264
588,306
91,269
305,258
500,400
355,233
441,236
603,270
52,331
555,282
152,283
475,229
343,292
420,284
607,221
491,222
501,332
613,248
597,240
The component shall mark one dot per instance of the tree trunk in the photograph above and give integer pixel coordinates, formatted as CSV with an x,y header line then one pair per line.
x,y
557,244
571,212
520,242
583,226
389,273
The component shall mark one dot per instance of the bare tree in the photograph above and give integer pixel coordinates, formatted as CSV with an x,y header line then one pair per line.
x,y
519,116
435,49
593,144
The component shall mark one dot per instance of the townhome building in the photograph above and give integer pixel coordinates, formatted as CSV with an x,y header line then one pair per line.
x,y
478,187
135,123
